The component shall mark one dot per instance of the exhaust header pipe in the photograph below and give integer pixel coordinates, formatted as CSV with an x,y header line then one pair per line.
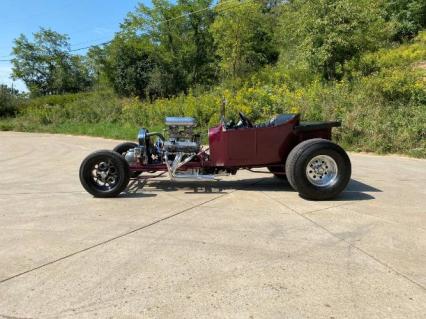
x,y
178,163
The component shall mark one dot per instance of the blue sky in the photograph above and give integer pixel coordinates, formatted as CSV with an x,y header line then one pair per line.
x,y
85,21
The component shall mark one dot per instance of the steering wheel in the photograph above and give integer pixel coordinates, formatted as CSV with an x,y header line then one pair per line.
x,y
246,122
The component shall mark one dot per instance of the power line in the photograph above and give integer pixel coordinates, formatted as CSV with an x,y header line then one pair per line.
x,y
193,12
90,46
71,50
167,20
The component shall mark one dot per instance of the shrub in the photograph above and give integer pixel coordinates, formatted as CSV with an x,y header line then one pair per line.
x,y
8,101
382,111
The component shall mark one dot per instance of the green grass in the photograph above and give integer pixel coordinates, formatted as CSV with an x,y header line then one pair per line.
x,y
107,130
117,131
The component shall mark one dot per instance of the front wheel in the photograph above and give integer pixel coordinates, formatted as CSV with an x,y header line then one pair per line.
x,y
104,174
318,169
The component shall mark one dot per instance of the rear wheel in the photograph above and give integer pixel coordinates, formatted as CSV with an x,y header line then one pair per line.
x,y
104,174
318,169
122,149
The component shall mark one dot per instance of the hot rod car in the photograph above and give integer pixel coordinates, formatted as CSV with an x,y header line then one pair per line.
x,y
299,152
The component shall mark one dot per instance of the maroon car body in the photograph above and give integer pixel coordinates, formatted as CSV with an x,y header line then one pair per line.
x,y
262,146
249,147
300,152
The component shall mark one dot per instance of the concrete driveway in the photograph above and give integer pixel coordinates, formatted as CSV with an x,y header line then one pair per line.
x,y
246,247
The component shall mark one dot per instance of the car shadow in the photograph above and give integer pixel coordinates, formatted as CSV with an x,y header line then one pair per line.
x,y
355,191
357,186
136,195
203,187
135,190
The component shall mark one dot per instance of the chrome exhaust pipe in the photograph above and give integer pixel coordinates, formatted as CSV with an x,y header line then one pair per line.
x,y
178,163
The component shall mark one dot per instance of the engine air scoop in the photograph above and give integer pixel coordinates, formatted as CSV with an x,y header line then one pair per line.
x,y
180,121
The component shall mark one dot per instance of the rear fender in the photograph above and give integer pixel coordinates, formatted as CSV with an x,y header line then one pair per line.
x,y
309,130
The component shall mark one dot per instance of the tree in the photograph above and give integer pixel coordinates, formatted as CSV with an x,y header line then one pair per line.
x,y
329,33
8,100
163,50
128,66
243,37
200,59
46,65
95,60
407,17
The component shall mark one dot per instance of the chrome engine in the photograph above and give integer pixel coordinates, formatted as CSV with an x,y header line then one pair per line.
x,y
181,147
181,135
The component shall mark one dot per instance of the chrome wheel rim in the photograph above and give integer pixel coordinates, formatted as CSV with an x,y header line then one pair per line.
x,y
322,171
104,175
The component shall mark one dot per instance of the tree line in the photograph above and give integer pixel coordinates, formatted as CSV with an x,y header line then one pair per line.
x,y
170,48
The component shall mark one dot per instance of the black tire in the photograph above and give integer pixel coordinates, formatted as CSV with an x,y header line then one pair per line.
x,y
113,160
278,171
122,149
297,173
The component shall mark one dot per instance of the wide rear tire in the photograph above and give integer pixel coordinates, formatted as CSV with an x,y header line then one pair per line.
x,y
104,174
318,169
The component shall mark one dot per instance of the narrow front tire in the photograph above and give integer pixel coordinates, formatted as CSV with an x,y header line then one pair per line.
x,y
104,174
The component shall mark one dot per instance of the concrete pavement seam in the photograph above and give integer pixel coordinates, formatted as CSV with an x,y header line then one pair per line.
x,y
363,214
123,235
348,243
